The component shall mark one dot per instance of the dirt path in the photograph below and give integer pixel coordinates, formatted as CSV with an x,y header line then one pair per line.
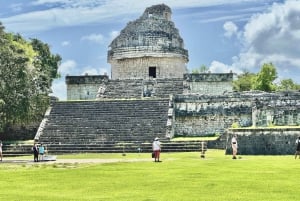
x,y
94,160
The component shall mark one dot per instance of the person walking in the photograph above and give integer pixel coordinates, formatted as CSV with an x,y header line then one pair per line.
x,y
234,146
297,148
156,147
35,150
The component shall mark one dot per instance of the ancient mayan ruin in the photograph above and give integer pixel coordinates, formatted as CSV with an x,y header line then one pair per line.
x,y
149,47
150,94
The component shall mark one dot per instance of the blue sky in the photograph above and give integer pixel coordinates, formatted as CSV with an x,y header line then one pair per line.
x,y
224,35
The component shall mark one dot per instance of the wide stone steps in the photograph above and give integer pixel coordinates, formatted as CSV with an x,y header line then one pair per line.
x,y
104,147
93,122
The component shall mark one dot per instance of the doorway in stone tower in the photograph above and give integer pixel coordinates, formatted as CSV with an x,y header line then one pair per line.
x,y
152,71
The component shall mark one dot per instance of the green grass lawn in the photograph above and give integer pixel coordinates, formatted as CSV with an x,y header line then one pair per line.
x,y
181,176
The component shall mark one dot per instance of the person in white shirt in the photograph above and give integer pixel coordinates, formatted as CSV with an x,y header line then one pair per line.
x,y
156,147
297,148
234,146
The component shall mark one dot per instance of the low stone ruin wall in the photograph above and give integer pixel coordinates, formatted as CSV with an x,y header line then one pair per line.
x,y
265,141
204,115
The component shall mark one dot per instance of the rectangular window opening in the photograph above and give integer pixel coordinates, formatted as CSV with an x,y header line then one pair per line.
x,y
152,72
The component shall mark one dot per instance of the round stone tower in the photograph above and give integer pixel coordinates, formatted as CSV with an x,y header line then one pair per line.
x,y
149,47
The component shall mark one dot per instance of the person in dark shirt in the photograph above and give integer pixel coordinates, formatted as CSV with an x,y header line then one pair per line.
x,y
297,148
35,150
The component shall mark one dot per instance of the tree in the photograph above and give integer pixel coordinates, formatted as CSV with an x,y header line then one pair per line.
x,y
15,65
27,69
265,78
46,64
287,84
244,82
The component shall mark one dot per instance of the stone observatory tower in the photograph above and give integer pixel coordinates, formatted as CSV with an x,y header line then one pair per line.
x,y
149,47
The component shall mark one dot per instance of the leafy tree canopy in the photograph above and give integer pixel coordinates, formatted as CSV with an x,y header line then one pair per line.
x,y
264,81
265,78
244,82
287,84
27,69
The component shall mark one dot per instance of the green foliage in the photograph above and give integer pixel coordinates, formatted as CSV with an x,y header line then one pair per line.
x,y
263,81
181,176
287,84
27,69
265,78
245,81
201,69
235,125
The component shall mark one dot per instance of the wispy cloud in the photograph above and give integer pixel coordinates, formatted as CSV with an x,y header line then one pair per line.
x,y
62,13
65,43
16,7
97,38
67,67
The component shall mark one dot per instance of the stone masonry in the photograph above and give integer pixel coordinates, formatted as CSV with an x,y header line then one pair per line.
x,y
149,47
202,115
101,87
266,141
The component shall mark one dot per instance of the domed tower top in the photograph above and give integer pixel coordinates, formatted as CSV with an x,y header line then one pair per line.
x,y
150,41
158,11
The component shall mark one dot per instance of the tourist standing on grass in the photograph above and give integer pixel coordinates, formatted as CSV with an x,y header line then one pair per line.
x,y
156,147
297,148
41,152
234,146
35,150
1,149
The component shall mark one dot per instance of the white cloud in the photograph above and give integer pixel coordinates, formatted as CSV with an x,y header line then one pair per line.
x,y
67,67
230,29
95,71
97,38
114,34
219,67
65,43
60,88
272,36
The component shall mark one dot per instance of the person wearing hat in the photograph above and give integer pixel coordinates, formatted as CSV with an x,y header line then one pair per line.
x,y
156,149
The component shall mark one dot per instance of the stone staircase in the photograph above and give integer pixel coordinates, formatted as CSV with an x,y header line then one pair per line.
x,y
107,147
101,126
10,150
124,147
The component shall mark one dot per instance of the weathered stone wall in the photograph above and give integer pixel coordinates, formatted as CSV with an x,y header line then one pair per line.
x,y
150,41
138,68
264,141
138,88
200,115
208,83
99,87
84,87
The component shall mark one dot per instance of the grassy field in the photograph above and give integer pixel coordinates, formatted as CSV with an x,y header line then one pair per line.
x,y
181,176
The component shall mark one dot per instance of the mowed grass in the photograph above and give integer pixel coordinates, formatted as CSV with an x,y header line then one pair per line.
x,y
181,176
